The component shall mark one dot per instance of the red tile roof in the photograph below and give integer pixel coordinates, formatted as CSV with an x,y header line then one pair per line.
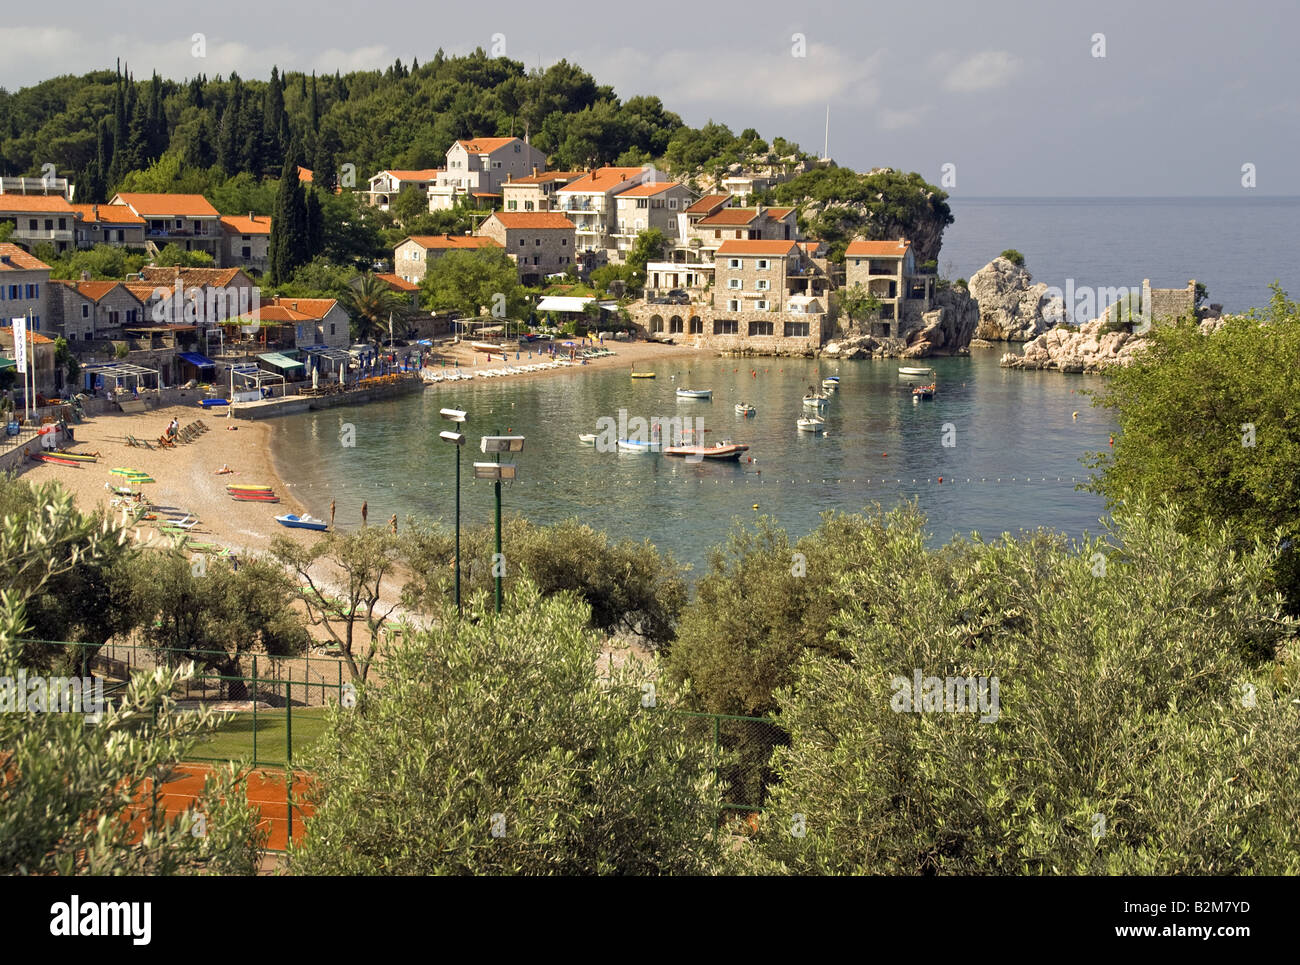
x,y
729,217
304,174
877,249
44,203
445,242
259,224
107,214
757,248
190,277
427,174
646,190
169,205
543,176
708,204
286,310
401,284
13,258
601,180
532,219
94,290
486,145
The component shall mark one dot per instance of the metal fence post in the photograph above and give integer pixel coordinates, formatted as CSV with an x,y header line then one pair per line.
x,y
254,710
288,722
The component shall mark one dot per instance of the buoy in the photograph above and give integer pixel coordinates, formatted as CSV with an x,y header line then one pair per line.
x,y
756,505
1076,415
883,454
940,480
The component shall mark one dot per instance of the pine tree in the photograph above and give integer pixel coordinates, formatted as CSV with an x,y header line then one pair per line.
x,y
324,168
228,140
156,120
137,139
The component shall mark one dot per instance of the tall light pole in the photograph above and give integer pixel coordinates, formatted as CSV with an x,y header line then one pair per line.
x,y
497,472
457,439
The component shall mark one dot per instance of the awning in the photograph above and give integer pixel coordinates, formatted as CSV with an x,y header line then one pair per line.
x,y
281,362
564,303
7,363
197,360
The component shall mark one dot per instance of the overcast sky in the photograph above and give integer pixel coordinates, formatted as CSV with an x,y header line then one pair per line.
x,y
1010,94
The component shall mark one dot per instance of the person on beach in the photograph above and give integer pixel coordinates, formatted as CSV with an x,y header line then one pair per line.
x,y
331,514
364,509
392,522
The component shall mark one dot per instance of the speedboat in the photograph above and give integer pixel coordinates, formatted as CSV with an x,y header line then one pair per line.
x,y
725,451
587,438
745,409
695,393
302,522
811,424
637,445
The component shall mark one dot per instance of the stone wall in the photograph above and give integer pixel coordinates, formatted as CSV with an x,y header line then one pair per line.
x,y
1168,304
741,343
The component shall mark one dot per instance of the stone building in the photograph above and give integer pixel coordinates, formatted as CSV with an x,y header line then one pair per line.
x,y
108,224
479,166
887,269
24,287
412,257
535,192
247,241
650,205
540,243
86,311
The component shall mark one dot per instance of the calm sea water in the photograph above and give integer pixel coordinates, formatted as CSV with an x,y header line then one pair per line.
x,y
1014,464
1235,246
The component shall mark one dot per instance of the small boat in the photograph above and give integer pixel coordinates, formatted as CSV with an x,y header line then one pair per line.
x,y
913,372
209,403
637,445
832,382
745,409
815,401
56,460
811,424
923,392
487,348
643,375
302,522
695,393
587,438
247,488
77,456
726,451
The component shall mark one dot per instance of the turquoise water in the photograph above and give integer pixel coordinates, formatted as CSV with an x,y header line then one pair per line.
x,y
1012,426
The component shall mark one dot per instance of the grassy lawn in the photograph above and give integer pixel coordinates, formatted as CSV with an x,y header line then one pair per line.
x,y
234,740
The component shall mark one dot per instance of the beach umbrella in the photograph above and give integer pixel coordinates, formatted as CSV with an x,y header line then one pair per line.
x,y
121,471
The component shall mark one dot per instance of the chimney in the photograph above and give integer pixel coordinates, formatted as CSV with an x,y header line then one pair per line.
x,y
252,217
534,170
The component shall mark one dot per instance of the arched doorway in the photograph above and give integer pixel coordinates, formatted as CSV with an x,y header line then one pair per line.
x,y
675,324
656,323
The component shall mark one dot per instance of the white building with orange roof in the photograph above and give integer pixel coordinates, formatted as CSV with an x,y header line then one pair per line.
x,y
108,224
186,220
387,185
289,323
412,256
40,218
589,203
478,166
651,204
536,191
247,240
540,243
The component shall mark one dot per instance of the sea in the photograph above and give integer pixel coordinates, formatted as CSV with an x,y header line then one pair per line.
x,y
996,451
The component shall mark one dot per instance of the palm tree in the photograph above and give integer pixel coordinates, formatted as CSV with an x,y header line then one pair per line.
x,y
371,302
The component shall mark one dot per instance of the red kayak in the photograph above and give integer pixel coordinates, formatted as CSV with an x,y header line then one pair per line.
x,y
725,451
45,457
255,497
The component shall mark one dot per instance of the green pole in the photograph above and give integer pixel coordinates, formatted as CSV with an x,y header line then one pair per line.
x,y
497,561
254,710
288,720
459,610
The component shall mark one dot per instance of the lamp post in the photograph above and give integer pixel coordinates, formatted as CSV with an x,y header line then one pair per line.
x,y
457,439
497,472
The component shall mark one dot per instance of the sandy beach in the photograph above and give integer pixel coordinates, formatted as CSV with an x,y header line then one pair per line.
x,y
628,355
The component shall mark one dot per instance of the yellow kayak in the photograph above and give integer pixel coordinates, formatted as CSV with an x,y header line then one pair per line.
x,y
643,375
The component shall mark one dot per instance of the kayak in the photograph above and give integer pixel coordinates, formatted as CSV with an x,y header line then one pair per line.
x,y
255,497
77,456
45,457
247,488
209,403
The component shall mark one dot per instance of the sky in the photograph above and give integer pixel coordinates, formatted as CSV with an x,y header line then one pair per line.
x,y
1191,97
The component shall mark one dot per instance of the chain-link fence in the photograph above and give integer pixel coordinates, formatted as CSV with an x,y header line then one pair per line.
x,y
743,746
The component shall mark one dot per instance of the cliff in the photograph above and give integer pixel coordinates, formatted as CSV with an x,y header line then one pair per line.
x,y
1011,307
944,330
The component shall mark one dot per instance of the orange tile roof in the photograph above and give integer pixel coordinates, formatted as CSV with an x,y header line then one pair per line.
x,y
543,176
36,337
45,203
877,249
286,310
601,179
757,247
13,258
427,174
304,174
486,145
742,216
243,225
708,204
396,281
532,219
141,290
190,277
94,290
169,205
776,214
107,214
442,242
646,190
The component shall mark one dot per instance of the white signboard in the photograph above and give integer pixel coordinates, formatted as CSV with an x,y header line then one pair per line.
x,y
20,343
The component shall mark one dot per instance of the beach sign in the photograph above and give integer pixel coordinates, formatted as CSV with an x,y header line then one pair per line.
x,y
20,343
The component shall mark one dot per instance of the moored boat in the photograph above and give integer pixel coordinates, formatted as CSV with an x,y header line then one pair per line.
x,y
302,522
815,401
745,409
924,392
695,393
811,424
643,375
637,445
587,438
725,451
915,372
831,382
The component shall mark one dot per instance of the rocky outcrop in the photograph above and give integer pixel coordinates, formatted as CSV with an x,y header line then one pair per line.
x,y
1011,307
944,330
1086,349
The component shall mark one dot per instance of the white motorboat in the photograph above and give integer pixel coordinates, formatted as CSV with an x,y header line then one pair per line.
x,y
815,401
811,424
745,409
833,382
914,372
695,393
587,438
637,445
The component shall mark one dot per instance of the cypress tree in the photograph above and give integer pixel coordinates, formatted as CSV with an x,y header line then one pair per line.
x,y
324,168
315,241
313,112
228,140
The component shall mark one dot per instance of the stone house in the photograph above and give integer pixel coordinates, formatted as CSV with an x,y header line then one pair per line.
x,y
654,204
86,311
589,204
412,257
536,192
40,359
742,224
247,241
477,167
40,218
541,243
188,220
24,287
887,269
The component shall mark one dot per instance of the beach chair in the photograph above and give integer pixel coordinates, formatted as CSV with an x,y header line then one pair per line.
x,y
138,443
185,525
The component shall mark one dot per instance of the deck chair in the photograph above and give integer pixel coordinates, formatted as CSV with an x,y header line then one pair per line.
x,y
186,524
139,443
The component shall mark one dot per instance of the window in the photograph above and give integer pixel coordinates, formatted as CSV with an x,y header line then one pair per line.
x,y
697,326
131,315
725,326
536,260
733,305
114,318
564,241
528,205
247,252
63,224
522,242
760,328
72,336
537,242
180,223
672,204
518,149
85,311
796,329
31,224
763,284
643,202
764,264
733,283
733,263
331,328
761,305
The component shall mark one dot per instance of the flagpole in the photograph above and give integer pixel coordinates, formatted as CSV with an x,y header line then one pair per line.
x,y
31,368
